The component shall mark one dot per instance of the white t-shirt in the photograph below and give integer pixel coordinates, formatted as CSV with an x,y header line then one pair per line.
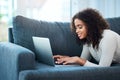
x,y
108,51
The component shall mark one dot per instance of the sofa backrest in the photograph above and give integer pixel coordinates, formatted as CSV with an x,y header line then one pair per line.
x,y
61,38
114,24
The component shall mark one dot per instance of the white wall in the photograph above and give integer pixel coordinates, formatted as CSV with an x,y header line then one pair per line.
x,y
63,10
108,8
23,5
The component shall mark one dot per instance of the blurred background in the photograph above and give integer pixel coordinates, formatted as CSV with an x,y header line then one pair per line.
x,y
51,10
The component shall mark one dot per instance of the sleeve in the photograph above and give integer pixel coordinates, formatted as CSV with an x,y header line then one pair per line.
x,y
108,46
85,52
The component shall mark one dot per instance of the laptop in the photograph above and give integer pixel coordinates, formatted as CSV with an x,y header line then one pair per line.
x,y
44,51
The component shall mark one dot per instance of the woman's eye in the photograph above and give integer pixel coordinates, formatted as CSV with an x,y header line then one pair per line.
x,y
80,27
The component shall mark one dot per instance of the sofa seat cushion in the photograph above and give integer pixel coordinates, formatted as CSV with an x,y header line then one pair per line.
x,y
45,72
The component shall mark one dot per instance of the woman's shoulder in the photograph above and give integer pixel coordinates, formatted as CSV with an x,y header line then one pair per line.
x,y
109,36
108,32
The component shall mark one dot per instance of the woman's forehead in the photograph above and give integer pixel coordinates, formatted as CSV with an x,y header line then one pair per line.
x,y
78,21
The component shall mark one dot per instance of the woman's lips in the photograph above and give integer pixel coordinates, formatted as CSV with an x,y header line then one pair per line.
x,y
79,35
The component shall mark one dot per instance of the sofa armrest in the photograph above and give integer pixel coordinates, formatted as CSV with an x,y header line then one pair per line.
x,y
13,59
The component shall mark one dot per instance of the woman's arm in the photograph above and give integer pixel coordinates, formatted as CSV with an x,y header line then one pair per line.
x,y
108,47
85,52
77,60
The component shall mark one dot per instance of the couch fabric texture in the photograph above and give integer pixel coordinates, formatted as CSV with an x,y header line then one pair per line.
x,y
18,59
61,39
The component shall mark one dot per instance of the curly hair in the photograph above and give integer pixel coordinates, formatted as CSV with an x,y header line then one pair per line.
x,y
95,24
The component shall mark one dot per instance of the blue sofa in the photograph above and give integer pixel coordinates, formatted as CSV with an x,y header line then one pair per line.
x,y
18,59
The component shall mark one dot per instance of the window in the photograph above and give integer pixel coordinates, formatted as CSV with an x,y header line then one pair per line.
x,y
63,10
6,13
51,10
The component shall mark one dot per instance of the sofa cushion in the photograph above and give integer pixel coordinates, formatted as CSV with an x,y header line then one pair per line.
x,y
61,38
114,24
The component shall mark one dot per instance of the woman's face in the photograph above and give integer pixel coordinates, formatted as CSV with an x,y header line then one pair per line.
x,y
80,28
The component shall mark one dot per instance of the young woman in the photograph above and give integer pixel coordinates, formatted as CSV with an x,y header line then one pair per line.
x,y
98,40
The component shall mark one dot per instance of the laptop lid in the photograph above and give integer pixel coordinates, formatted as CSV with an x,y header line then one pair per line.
x,y
43,50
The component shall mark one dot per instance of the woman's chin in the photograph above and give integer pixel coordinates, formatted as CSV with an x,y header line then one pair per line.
x,y
81,38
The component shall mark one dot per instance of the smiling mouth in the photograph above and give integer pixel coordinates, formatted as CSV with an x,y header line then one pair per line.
x,y
79,36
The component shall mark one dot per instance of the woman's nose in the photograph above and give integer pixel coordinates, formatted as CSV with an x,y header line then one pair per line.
x,y
77,30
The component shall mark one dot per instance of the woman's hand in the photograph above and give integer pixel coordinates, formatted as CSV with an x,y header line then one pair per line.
x,y
59,56
69,60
